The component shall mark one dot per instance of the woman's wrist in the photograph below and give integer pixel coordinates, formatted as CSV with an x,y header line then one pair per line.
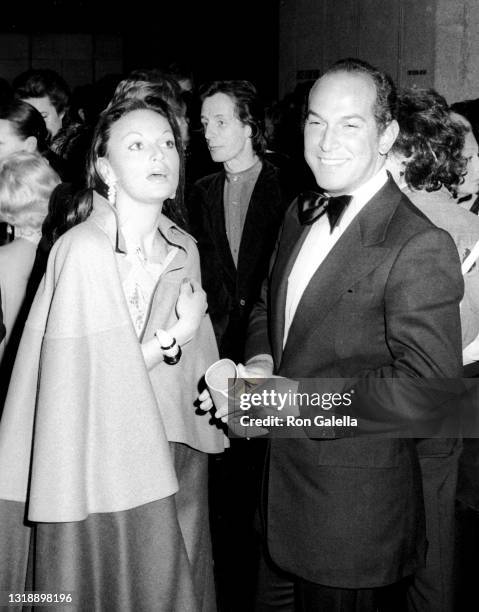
x,y
169,346
182,332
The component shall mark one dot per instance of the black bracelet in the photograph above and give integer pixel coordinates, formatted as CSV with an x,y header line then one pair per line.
x,y
173,360
167,348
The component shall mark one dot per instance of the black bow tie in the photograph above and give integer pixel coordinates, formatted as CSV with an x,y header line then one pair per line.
x,y
312,205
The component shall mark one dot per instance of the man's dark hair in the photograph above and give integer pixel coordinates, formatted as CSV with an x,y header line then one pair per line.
x,y
248,107
386,96
40,84
430,138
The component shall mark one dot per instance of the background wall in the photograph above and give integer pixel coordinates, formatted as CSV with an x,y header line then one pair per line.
x,y
457,49
427,43
398,36
79,58
274,43
217,39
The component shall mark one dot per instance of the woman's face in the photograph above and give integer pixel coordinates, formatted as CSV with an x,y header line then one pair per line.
x,y
11,142
396,164
142,158
470,182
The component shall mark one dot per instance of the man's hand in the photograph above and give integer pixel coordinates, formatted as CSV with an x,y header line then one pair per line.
x,y
206,403
260,366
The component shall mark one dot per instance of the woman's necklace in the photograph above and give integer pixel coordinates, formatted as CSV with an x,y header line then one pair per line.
x,y
141,256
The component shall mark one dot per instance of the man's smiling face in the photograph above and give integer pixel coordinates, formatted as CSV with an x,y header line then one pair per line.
x,y
342,143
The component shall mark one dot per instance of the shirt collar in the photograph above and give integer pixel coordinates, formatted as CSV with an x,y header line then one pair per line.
x,y
105,216
361,196
244,175
368,189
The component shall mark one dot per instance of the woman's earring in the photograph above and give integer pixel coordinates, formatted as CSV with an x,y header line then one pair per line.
x,y
111,192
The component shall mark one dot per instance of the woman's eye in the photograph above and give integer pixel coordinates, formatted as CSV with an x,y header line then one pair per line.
x,y
169,144
136,146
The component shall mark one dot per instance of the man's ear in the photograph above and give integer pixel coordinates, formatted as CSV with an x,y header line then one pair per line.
x,y
388,137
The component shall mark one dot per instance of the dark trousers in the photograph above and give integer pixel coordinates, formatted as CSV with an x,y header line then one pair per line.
x,y
432,589
235,480
318,598
467,558
279,591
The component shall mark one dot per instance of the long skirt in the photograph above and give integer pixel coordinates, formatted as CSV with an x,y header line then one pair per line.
x,y
129,561
191,468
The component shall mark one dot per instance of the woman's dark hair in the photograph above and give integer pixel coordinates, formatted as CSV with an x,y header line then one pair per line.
x,y
26,121
430,138
163,88
77,208
248,107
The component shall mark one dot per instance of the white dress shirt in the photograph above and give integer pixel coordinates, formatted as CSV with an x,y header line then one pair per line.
x,y
320,241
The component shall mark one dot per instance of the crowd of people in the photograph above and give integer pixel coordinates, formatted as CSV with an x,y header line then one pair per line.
x,y
327,241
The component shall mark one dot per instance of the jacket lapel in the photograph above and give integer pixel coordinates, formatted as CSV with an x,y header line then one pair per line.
x,y
257,216
359,251
292,240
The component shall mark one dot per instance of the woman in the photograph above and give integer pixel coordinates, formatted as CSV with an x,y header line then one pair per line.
x,y
467,189
123,341
22,128
427,162
26,182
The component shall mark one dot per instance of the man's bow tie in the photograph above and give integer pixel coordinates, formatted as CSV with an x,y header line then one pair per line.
x,y
312,205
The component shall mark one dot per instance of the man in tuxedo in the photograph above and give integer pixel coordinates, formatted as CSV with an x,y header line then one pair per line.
x,y
368,290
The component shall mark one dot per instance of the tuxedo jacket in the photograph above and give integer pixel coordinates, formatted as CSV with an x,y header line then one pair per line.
x,y
348,512
2,326
233,290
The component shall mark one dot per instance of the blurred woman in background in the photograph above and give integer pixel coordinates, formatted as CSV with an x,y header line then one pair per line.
x,y
466,190
26,182
22,128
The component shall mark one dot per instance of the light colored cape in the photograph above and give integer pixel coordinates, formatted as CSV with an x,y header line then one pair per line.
x,y
85,427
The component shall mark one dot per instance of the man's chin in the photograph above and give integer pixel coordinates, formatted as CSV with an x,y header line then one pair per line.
x,y
331,187
218,159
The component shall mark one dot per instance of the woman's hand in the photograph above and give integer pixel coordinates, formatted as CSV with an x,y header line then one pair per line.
x,y
191,308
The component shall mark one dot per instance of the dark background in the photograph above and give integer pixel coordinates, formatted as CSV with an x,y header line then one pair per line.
x,y
217,39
